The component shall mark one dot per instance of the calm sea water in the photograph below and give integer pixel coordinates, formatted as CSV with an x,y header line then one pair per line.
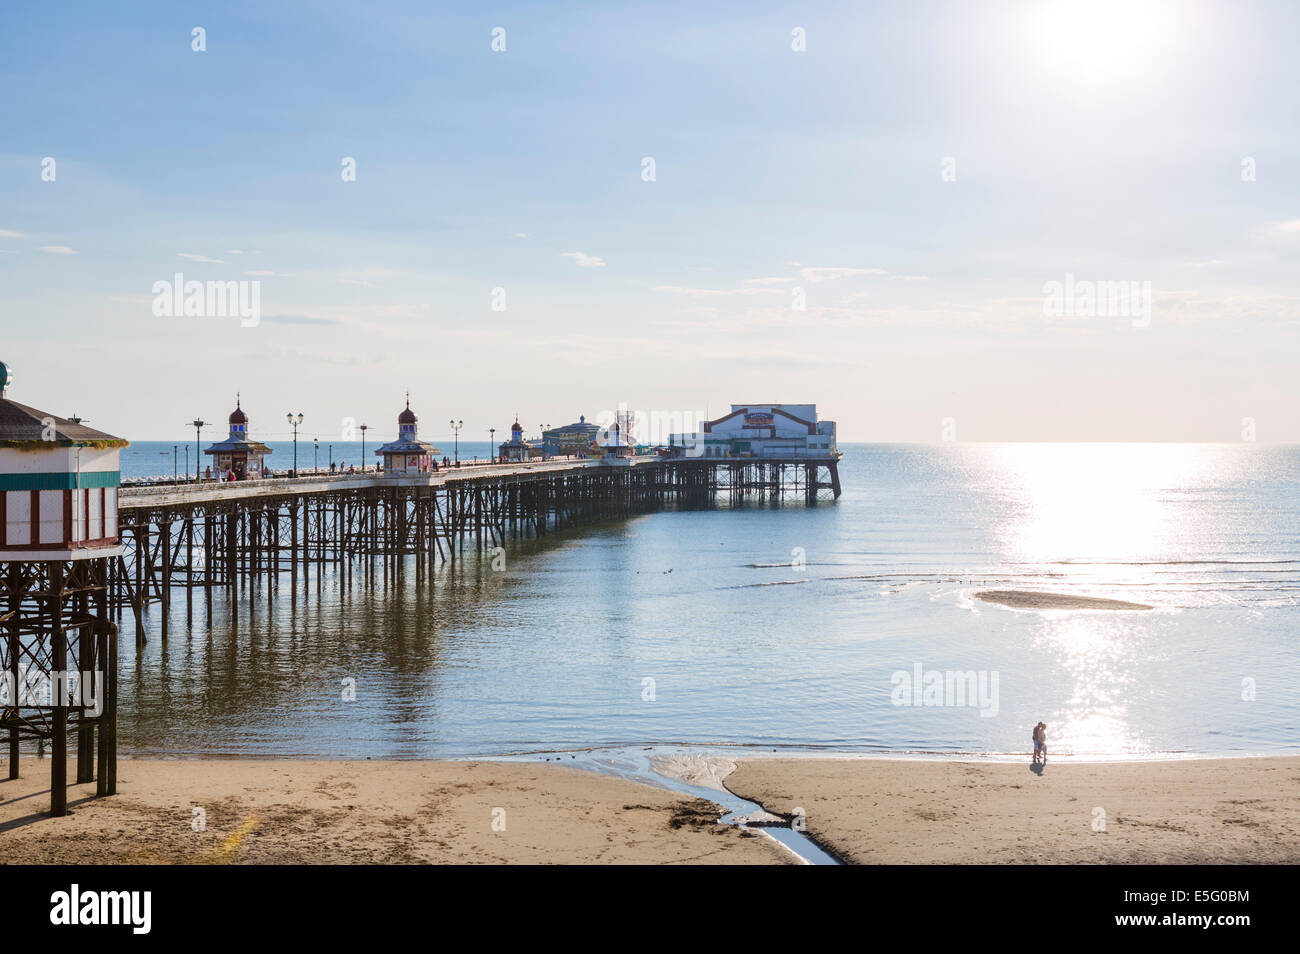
x,y
555,652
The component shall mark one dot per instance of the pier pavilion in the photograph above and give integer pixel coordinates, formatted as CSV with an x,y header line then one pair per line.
x,y
618,445
769,431
238,454
408,454
58,533
518,449
570,440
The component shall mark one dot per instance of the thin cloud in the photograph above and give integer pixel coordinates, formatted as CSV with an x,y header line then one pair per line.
x,y
6,233
58,250
190,256
826,273
767,281
299,320
718,292
583,260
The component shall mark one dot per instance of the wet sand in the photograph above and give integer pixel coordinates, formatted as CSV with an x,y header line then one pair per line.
x,y
367,812
893,811
1032,599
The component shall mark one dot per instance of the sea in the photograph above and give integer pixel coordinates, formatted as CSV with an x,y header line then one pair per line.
x,y
853,626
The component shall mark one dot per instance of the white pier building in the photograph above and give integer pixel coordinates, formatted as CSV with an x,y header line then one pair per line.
x,y
761,431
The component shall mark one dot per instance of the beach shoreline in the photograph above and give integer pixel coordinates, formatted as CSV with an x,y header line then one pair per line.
x,y
1241,810
859,809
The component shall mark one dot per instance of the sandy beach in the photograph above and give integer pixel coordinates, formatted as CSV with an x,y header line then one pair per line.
x,y
862,810
884,811
367,812
1032,599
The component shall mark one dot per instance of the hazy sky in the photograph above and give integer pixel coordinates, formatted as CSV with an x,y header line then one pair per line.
x,y
1113,142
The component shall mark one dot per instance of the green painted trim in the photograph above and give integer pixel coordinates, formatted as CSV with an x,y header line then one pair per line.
x,y
90,479
107,444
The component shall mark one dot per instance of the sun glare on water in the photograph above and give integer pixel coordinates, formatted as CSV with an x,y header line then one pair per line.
x,y
1094,502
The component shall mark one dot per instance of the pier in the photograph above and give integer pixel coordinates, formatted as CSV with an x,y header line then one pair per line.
x,y
185,542
79,550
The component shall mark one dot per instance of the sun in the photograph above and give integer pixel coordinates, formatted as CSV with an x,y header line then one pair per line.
x,y
1098,41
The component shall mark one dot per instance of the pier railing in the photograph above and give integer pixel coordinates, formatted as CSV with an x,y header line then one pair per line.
x,y
154,494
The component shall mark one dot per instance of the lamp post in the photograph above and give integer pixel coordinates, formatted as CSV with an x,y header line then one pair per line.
x,y
315,454
455,429
331,446
198,429
492,440
175,466
363,447
294,424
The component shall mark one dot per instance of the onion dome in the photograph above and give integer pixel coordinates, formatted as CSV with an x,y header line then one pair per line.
x,y
407,416
237,416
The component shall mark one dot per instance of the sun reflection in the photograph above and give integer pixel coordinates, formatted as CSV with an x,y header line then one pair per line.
x,y
1097,651
1091,502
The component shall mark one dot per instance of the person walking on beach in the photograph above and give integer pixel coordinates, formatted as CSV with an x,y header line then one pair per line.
x,y
1038,742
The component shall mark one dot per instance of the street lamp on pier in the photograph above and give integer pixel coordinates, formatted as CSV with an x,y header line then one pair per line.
x,y
455,429
315,454
363,447
294,424
492,441
199,424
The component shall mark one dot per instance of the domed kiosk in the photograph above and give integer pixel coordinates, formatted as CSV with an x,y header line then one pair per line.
x,y
408,454
517,449
237,454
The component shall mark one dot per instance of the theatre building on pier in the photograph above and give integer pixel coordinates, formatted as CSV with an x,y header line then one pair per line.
x,y
782,431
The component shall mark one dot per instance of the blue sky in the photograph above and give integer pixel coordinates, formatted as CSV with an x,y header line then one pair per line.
x,y
1098,139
